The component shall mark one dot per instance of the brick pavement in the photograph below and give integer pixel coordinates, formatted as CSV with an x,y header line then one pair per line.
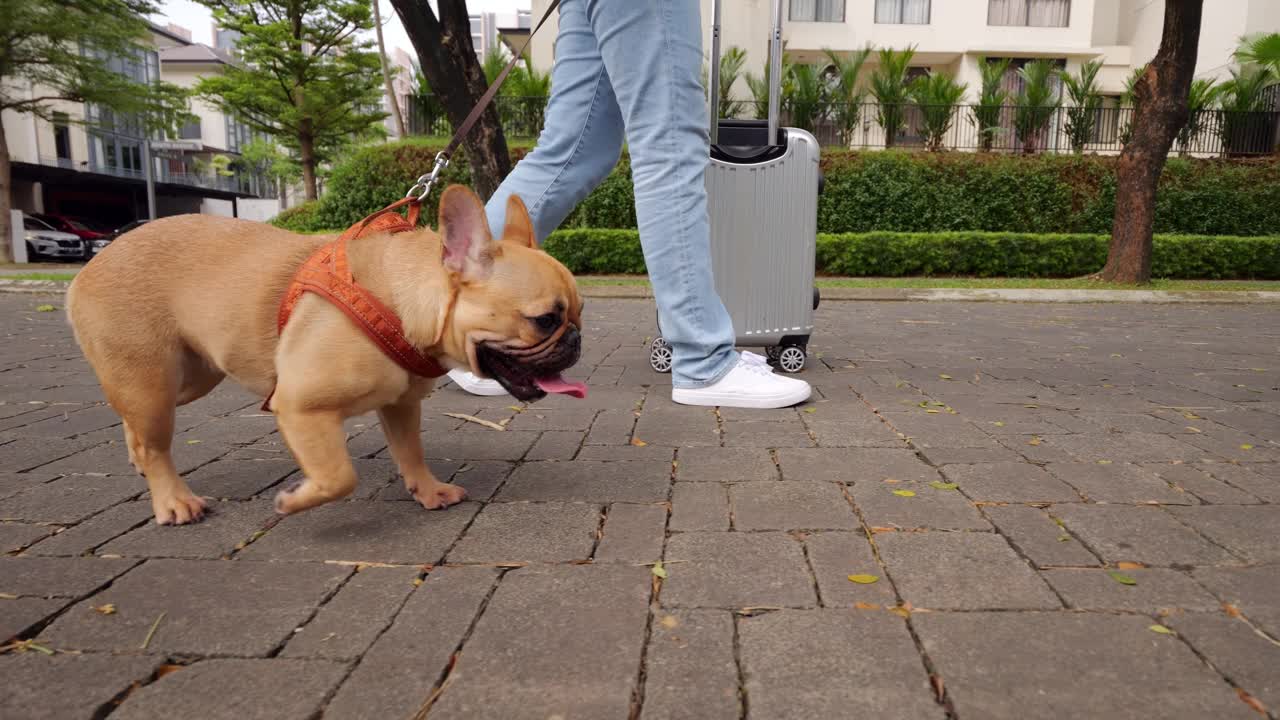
x,y
1035,488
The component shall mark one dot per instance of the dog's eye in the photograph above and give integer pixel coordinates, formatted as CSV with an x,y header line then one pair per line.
x,y
548,322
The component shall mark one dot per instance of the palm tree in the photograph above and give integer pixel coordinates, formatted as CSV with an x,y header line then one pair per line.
x,y
1127,100
847,94
759,87
889,86
1204,93
805,96
936,95
986,114
1036,102
1261,50
731,63
492,64
1082,115
1245,127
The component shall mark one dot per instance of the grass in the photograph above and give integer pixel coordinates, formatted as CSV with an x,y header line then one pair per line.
x,y
988,283
56,277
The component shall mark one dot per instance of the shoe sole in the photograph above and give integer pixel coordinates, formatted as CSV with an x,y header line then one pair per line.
x,y
481,390
702,398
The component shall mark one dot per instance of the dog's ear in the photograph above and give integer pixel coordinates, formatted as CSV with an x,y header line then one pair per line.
x,y
469,249
519,226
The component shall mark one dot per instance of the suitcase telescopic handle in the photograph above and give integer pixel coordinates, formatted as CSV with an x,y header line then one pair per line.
x,y
775,70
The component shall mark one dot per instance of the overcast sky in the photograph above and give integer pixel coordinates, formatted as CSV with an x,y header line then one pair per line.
x,y
199,21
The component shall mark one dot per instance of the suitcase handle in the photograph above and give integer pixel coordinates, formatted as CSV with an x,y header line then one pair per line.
x,y
775,74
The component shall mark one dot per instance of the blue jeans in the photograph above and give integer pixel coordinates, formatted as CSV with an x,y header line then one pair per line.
x,y
630,69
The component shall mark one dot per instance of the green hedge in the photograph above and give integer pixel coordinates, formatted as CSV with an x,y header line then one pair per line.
x,y
983,254
892,191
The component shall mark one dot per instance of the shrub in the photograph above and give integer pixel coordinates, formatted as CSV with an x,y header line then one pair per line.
x,y
982,254
300,218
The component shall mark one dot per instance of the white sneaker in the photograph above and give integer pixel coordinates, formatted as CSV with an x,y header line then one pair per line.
x,y
469,382
750,384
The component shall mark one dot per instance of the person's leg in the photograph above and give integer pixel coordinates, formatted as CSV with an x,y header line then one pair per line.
x,y
578,147
652,51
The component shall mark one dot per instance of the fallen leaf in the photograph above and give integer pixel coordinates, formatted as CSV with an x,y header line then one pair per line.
x,y
1064,538
515,408
1031,407
900,612
931,411
1160,629
811,410
879,529
935,403
151,633
658,570
669,622
1251,701
1104,462
1231,610
1193,429
476,420
1034,441
1126,565
193,442
1246,446
904,493
866,606
939,485
945,376
108,609
1191,416
45,308
167,669
638,442
8,596
1121,578
864,579
998,423
939,689
417,582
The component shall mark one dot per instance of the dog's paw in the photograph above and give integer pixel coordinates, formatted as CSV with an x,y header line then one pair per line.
x,y
289,499
440,495
178,509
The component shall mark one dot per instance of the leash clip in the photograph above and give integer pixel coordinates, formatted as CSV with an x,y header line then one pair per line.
x,y
422,188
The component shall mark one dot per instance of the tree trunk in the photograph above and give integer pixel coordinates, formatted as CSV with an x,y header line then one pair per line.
x,y
307,151
1160,110
451,67
386,75
6,201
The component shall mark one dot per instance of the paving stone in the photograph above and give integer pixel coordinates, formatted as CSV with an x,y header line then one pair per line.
x,y
725,465
70,499
1201,484
1235,650
20,615
837,434
850,465
929,507
481,478
683,427
444,470
524,662
239,480
28,453
1037,448
1038,537
760,433
699,506
210,607
295,688
633,533
348,624
70,424
1249,531
396,676
556,445
1009,482
554,419
399,533
1157,589
612,427
38,687
1118,483
510,445
58,577
579,481
790,506
1020,665
736,570
962,571
1254,590
691,672
84,537
113,459
13,483
1245,478
810,664
1147,535
15,536
834,556
227,524
969,456
1129,446
529,532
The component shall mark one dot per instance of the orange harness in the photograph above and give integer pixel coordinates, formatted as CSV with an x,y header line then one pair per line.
x,y
327,274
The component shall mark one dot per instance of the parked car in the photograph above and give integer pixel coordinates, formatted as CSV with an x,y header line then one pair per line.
x,y
66,223
105,240
46,243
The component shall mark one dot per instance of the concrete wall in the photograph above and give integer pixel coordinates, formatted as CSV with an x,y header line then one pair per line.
x,y
261,210
213,124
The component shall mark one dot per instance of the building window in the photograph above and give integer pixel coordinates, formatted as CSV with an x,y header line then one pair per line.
x,y
191,130
902,12
1029,13
817,10
62,138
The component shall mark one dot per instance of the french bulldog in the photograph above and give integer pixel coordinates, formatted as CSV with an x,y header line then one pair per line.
x,y
169,310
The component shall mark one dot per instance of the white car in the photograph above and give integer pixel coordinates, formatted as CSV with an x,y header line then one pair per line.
x,y
45,243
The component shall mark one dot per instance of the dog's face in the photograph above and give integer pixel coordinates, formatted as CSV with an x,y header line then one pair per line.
x,y
518,314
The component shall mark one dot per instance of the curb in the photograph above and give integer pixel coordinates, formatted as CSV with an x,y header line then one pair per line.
x,y
643,292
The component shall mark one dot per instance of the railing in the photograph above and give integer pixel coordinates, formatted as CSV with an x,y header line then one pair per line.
x,y
239,182
1105,130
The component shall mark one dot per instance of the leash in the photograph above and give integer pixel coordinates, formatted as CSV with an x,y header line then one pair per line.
x,y
422,187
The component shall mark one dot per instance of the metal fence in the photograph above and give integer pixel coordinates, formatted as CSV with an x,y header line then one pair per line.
x,y
1008,129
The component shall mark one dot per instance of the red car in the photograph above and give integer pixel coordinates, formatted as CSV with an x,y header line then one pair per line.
x,y
71,225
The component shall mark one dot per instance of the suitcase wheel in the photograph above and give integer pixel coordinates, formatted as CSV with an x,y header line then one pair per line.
x,y
660,356
790,358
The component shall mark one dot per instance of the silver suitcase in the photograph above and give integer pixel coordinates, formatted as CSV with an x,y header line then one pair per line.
x,y
762,196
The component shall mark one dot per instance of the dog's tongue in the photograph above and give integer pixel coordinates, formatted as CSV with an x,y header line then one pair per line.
x,y
558,385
